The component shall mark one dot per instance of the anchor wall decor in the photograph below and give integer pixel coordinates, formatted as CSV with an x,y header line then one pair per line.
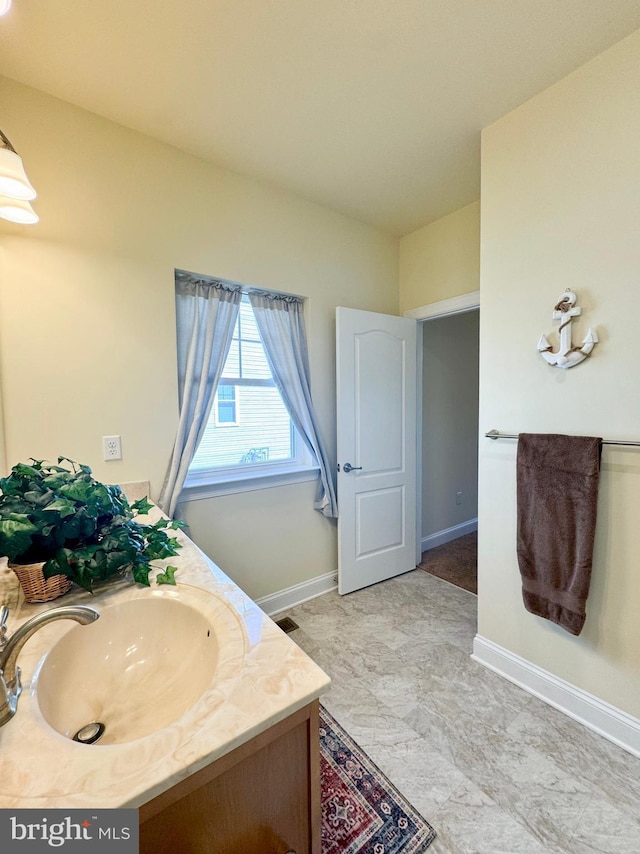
x,y
567,355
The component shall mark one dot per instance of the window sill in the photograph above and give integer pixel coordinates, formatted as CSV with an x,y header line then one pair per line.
x,y
204,486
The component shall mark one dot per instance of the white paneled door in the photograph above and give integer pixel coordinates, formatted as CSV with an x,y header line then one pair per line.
x,y
377,477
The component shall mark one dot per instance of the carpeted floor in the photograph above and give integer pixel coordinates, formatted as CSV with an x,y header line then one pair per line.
x,y
456,562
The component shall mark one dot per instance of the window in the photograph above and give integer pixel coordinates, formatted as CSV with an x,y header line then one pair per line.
x,y
249,435
226,405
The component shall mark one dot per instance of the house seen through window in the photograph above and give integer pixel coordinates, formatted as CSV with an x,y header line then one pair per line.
x,y
249,426
226,404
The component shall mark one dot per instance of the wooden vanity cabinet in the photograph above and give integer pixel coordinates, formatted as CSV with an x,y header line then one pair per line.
x,y
262,798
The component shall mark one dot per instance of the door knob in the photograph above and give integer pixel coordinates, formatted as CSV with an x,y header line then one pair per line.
x,y
347,467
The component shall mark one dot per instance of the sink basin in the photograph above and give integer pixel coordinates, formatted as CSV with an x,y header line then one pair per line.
x,y
141,666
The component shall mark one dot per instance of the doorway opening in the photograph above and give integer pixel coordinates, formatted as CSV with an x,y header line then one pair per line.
x,y
448,496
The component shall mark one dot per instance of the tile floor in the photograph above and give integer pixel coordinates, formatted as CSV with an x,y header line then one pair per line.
x,y
492,768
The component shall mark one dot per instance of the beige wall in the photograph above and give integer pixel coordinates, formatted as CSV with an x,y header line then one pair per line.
x,y
449,421
561,208
87,335
441,260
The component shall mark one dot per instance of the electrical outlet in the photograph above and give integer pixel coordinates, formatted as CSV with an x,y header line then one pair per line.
x,y
458,497
111,447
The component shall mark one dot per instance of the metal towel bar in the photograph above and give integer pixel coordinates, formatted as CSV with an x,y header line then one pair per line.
x,y
496,434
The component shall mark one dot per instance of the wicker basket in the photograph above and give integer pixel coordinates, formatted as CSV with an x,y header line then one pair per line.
x,y
36,587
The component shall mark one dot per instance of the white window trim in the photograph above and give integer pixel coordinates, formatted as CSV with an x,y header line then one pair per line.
x,y
236,402
206,484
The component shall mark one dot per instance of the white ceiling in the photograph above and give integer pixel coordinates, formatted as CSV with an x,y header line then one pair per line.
x,y
370,107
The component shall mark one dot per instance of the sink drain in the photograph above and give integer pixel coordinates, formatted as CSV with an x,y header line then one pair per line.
x,y
89,733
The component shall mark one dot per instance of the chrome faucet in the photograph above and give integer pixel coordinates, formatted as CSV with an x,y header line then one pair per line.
x,y
10,686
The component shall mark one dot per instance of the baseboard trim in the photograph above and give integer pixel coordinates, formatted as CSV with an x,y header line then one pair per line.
x,y
279,601
448,534
601,717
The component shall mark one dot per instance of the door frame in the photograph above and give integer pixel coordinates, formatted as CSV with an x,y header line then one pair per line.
x,y
431,311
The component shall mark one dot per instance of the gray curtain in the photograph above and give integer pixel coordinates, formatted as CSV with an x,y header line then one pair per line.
x,y
281,324
206,314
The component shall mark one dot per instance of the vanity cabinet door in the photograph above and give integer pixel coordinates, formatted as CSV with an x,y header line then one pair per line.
x,y
263,798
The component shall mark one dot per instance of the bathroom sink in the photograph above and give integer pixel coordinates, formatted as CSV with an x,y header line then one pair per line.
x,y
141,666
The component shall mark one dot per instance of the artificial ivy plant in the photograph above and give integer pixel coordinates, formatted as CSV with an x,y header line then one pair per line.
x,y
79,527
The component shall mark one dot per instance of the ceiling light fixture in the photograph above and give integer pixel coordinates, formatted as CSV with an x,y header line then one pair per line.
x,y
17,210
5,5
15,188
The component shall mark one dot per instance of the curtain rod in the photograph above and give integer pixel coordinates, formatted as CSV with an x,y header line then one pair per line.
x,y
495,434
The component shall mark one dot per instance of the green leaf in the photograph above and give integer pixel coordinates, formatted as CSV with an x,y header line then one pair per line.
x,y
80,491
56,479
160,546
63,506
167,577
38,497
95,496
117,562
15,535
141,574
74,465
82,565
142,506
77,529
24,470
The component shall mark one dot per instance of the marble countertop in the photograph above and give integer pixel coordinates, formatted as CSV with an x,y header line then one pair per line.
x,y
273,678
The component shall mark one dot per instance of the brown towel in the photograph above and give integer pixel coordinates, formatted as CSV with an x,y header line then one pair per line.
x,y
557,504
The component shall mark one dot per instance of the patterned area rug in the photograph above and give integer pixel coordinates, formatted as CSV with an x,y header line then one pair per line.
x,y
362,811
